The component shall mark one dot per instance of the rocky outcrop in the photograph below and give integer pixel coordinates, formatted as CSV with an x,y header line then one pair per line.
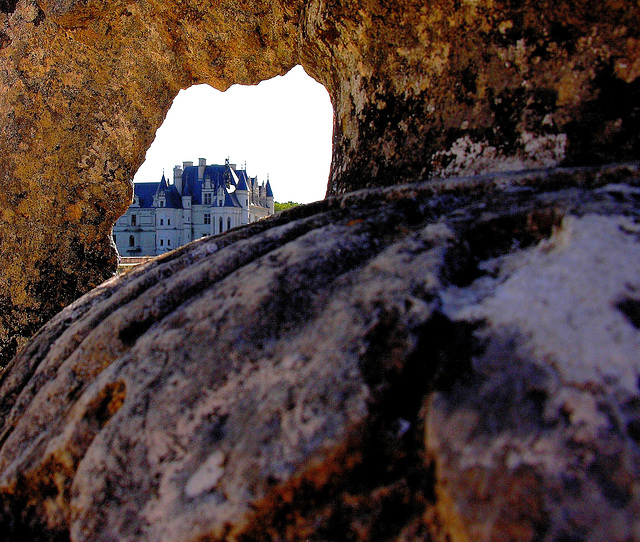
x,y
456,360
420,90
464,87
84,86
448,360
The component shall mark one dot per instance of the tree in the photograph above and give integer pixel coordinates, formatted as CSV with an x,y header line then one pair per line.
x,y
282,206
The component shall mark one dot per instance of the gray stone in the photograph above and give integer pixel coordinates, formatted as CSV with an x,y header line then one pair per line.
x,y
448,361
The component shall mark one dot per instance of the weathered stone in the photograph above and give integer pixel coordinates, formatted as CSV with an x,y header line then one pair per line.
x,y
84,86
419,90
446,361
456,360
450,87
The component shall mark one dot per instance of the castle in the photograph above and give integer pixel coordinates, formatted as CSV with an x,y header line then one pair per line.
x,y
202,200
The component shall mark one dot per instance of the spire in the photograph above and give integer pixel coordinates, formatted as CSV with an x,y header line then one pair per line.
x,y
269,191
163,183
242,185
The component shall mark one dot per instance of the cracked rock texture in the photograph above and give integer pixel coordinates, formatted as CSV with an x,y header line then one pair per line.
x,y
447,361
420,90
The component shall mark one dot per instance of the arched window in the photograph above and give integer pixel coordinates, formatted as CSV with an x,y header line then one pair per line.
x,y
132,241
229,223
220,223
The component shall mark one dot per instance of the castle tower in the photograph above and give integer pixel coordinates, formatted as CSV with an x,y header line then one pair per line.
x,y
242,193
270,198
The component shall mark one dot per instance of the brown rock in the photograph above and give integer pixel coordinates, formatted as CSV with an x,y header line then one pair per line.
x,y
455,360
420,90
84,86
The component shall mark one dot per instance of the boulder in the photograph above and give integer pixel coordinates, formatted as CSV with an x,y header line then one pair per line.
x,y
455,360
419,90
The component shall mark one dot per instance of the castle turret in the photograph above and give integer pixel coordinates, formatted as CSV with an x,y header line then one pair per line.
x,y
270,199
160,197
242,193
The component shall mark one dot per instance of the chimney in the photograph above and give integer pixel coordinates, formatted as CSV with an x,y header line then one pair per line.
x,y
202,163
177,178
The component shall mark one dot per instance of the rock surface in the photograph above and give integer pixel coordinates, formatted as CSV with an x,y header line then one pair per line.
x,y
419,90
457,360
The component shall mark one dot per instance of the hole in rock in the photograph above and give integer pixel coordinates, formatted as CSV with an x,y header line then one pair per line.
x,y
278,131
631,309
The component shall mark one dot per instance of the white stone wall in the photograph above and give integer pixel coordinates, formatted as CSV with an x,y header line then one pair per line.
x,y
168,229
142,232
159,230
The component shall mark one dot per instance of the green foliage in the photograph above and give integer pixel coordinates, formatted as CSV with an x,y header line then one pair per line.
x,y
283,206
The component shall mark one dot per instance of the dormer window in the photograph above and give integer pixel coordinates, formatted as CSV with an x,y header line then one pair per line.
x,y
207,198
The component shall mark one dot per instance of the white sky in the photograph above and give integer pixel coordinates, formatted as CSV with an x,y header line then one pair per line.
x,y
281,127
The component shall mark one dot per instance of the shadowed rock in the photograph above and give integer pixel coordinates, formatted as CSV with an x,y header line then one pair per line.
x,y
448,361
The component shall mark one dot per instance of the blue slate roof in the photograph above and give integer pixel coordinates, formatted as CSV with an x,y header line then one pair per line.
x,y
163,183
231,200
191,186
145,192
173,200
242,184
269,191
